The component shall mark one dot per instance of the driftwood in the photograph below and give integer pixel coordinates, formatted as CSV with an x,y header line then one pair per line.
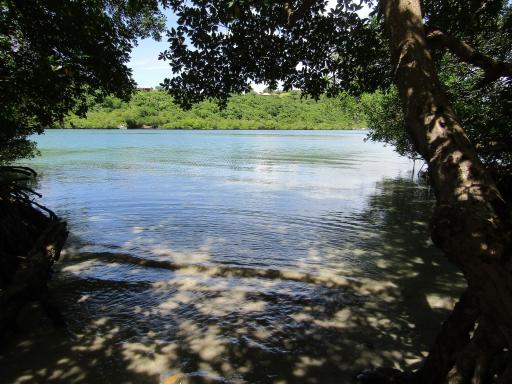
x,y
31,238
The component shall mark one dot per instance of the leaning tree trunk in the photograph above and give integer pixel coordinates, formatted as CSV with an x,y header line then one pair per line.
x,y
471,223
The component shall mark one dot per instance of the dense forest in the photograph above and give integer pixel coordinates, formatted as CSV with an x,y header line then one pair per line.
x,y
249,111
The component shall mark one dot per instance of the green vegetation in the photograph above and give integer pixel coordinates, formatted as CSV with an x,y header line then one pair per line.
x,y
444,99
55,56
249,111
484,111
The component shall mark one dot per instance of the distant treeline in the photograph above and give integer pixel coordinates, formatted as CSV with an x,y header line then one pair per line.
x,y
249,111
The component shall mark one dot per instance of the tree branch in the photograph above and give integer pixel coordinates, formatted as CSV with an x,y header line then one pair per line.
x,y
493,69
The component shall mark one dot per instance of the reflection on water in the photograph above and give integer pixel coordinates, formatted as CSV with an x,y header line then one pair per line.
x,y
235,257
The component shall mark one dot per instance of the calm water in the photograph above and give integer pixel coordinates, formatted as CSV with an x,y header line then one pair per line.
x,y
236,257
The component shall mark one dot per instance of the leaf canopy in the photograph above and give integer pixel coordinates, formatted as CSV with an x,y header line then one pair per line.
x,y
56,55
222,46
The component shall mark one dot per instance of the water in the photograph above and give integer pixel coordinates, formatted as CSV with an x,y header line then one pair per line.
x,y
235,257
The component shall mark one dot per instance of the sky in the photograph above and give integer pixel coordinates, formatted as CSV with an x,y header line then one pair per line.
x,y
148,71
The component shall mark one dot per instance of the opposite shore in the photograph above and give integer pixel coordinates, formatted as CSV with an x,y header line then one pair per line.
x,y
251,111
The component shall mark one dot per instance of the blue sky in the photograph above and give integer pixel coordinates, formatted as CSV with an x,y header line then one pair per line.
x,y
148,71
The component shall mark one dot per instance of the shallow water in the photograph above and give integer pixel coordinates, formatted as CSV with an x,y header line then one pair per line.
x,y
235,256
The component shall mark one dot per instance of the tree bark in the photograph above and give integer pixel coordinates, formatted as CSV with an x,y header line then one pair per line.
x,y
457,329
471,223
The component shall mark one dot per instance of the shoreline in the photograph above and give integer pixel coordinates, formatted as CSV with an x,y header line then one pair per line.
x,y
208,129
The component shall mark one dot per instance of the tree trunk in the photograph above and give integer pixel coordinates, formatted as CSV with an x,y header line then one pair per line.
x,y
471,223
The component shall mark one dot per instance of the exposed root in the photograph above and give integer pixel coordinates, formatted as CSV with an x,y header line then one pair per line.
x,y
453,337
469,349
31,238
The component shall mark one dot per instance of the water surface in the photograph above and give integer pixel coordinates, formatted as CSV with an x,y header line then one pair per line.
x,y
236,257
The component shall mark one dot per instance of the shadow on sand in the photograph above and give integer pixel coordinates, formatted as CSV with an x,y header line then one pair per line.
x,y
231,324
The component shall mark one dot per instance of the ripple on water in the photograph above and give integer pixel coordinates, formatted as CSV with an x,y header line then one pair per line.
x,y
238,257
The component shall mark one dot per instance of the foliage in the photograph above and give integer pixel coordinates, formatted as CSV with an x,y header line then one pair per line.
x,y
469,20
385,120
486,115
249,111
56,55
220,47
484,110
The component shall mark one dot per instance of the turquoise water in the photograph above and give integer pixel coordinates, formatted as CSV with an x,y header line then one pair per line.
x,y
242,194
238,256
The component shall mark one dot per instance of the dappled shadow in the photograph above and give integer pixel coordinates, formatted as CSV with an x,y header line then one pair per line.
x,y
428,285
374,296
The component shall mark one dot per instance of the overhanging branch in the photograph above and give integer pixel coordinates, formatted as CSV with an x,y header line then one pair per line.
x,y
493,69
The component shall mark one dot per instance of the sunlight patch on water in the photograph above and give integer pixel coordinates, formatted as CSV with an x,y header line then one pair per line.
x,y
235,258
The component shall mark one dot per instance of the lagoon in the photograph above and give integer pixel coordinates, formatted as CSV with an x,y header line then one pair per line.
x,y
236,257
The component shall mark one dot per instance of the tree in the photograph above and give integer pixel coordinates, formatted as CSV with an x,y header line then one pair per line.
x,y
483,109
57,56
221,46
